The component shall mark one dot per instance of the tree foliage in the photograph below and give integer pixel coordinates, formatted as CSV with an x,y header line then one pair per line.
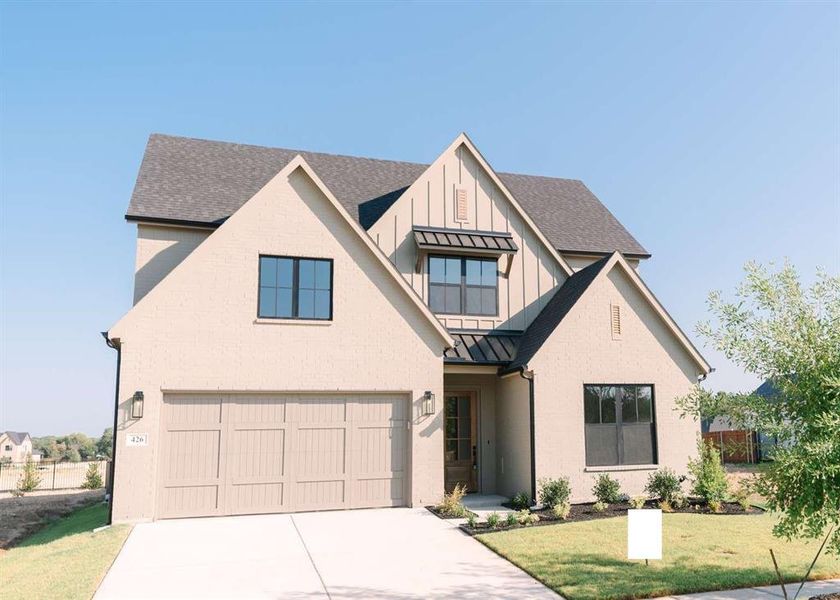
x,y
74,447
781,332
29,479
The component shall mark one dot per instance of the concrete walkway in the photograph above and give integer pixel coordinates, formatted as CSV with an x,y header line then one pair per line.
x,y
396,553
773,592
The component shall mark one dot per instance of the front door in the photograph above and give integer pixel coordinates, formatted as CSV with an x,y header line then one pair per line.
x,y
459,446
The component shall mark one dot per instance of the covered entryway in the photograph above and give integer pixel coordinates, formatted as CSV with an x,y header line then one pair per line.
x,y
226,454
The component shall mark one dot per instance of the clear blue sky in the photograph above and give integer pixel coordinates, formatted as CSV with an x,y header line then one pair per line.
x,y
712,131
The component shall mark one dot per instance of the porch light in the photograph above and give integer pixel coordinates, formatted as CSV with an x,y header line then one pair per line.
x,y
137,405
428,405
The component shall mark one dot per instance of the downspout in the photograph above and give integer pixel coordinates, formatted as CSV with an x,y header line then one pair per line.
x,y
115,346
529,376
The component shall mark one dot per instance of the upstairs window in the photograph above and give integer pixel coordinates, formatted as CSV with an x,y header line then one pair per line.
x,y
295,288
620,428
463,286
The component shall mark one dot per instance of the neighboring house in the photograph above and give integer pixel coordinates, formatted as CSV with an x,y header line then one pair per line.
x,y
740,445
15,446
313,331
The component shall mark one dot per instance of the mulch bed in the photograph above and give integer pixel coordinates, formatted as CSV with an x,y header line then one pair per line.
x,y
434,510
586,512
832,596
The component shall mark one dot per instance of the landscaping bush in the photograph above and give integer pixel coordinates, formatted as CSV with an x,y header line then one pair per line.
x,y
679,501
471,520
450,505
554,491
606,489
742,496
708,473
562,510
93,480
29,479
663,484
665,506
526,517
600,506
511,520
520,501
715,506
493,520
638,502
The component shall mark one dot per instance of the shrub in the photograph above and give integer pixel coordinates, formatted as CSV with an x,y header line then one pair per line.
x,y
554,491
511,520
93,480
493,520
679,501
638,502
665,506
562,510
471,520
520,501
606,489
29,479
600,506
708,473
715,506
663,484
526,517
742,497
450,505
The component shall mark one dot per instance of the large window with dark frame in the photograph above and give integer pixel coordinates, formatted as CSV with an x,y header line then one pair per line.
x,y
620,427
463,286
295,288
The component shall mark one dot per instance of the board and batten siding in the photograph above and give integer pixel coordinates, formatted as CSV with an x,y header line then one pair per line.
x,y
430,201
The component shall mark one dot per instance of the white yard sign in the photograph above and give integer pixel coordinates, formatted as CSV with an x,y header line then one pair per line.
x,y
644,534
137,439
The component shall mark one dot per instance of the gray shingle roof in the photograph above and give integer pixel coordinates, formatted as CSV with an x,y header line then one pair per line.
x,y
17,437
204,182
553,313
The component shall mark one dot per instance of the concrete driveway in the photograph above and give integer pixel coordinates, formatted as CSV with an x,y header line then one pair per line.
x,y
383,553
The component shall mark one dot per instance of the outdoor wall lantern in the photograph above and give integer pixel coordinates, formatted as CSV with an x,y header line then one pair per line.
x,y
137,405
428,405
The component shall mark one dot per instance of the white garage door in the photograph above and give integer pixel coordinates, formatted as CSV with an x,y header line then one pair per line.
x,y
243,454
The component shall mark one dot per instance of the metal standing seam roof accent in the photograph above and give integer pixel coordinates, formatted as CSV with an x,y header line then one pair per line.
x,y
431,238
482,348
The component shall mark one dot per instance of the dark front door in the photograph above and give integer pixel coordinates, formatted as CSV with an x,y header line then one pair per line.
x,y
459,445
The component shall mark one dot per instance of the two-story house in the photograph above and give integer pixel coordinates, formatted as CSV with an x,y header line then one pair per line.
x,y
313,331
16,446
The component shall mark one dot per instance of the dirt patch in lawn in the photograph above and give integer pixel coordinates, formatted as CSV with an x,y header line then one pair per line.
x,y
20,517
587,512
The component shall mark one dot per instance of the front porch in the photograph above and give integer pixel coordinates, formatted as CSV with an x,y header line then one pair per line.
x,y
487,434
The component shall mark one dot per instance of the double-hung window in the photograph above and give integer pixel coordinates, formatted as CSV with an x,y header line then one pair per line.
x,y
620,427
295,288
463,286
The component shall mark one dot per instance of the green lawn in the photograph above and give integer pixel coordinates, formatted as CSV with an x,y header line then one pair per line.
x,y
701,553
65,559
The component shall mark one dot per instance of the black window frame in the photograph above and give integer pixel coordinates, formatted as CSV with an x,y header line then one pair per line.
x,y
295,286
618,425
463,286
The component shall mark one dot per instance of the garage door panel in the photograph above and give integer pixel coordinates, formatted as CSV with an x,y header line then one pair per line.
x,y
320,452
247,498
193,409
258,409
258,453
192,455
191,500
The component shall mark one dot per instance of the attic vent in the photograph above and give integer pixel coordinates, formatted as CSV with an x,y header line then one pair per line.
x,y
461,209
615,321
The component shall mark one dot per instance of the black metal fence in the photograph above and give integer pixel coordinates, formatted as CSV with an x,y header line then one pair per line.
x,y
53,475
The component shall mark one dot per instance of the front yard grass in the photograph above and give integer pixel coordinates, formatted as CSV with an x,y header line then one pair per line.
x,y
700,553
65,559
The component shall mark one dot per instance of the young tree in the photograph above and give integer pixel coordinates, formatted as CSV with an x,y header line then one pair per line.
x,y
93,480
29,479
790,336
